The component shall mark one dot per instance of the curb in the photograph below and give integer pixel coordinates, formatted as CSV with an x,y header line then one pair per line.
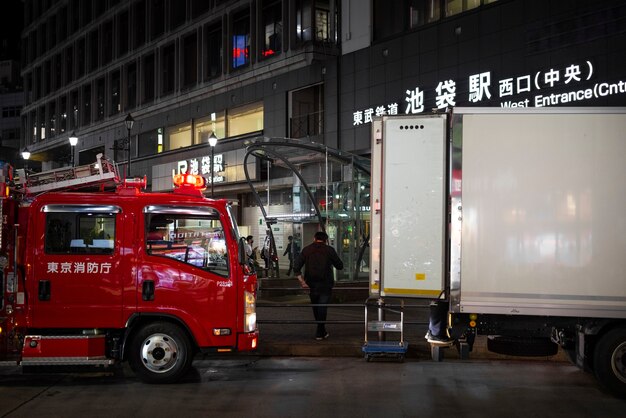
x,y
415,351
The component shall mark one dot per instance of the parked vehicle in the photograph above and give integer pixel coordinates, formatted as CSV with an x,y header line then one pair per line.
x,y
91,276
514,218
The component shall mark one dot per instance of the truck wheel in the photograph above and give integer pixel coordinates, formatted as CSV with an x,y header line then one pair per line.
x,y
160,353
609,361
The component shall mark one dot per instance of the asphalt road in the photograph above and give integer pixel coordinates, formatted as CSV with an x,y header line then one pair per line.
x,y
251,386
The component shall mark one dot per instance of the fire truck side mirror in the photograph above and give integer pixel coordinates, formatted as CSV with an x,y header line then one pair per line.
x,y
242,256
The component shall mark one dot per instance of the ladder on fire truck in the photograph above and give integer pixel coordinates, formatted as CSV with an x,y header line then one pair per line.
x,y
100,173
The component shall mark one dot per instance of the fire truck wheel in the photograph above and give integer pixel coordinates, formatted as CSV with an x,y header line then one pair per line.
x,y
609,361
160,353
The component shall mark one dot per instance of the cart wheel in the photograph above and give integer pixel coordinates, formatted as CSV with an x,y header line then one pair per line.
x,y
401,358
368,358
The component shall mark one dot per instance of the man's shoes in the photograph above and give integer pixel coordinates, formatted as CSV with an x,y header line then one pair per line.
x,y
436,339
320,338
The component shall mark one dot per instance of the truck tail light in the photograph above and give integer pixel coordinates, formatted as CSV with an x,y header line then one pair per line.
x,y
249,310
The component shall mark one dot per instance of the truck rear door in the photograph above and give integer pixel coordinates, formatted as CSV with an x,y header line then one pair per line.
x,y
408,201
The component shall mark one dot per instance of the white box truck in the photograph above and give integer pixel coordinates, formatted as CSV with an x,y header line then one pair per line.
x,y
516,218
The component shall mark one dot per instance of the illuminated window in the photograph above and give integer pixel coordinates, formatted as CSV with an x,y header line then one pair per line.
x,y
272,28
178,136
241,40
215,122
454,7
245,119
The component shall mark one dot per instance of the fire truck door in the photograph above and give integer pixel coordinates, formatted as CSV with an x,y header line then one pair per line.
x,y
78,270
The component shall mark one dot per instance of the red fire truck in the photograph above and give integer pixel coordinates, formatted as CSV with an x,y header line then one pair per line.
x,y
92,276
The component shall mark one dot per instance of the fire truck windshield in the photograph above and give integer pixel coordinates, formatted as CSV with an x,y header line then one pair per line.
x,y
189,238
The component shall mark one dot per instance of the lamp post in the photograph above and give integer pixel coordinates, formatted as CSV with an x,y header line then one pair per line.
x,y
129,121
73,141
212,143
25,156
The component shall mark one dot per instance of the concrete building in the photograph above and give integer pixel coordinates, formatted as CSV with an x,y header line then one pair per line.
x,y
313,70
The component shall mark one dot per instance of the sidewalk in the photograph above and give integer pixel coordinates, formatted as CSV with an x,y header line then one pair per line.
x,y
278,338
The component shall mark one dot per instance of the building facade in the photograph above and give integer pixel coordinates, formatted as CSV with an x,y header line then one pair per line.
x,y
312,70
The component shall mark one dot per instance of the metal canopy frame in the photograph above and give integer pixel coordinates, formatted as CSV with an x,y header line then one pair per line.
x,y
291,153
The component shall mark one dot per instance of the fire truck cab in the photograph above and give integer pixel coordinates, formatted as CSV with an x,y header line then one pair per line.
x,y
100,277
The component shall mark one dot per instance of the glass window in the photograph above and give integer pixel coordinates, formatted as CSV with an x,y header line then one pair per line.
x,y
100,99
157,18
454,7
69,64
122,37
74,106
241,39
114,93
80,61
79,233
212,51
139,23
215,122
41,120
177,14
386,17
190,60
86,105
245,119
131,85
199,241
178,136
107,42
52,119
148,78
58,71
272,28
304,31
307,112
62,114
47,78
150,143
322,20
422,12
86,9
199,7
93,50
168,63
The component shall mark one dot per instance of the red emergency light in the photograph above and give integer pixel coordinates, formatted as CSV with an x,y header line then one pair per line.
x,y
190,181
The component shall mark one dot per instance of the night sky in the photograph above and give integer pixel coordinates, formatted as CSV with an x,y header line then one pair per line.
x,y
11,25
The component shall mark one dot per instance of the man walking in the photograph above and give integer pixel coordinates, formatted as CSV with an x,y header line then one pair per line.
x,y
318,260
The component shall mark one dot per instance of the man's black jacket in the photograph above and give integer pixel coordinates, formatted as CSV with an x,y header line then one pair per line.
x,y
318,260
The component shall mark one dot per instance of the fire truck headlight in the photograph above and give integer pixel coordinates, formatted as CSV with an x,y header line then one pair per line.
x,y
249,312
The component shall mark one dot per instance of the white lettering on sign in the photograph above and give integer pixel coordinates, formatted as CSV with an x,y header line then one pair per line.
x,y
479,87
78,267
202,166
446,93
415,100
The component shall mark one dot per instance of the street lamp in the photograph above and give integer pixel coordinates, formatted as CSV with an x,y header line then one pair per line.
x,y
212,143
73,141
129,121
25,156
